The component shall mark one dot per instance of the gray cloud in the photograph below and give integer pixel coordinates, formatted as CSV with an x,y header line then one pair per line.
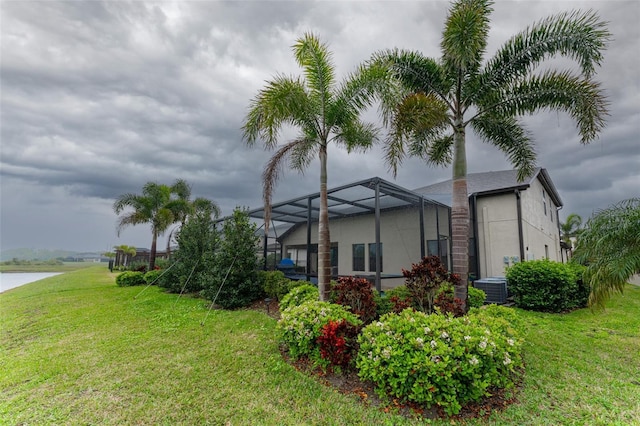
x,y
100,97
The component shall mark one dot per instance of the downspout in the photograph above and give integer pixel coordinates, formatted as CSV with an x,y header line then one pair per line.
x,y
308,267
560,235
520,231
378,254
438,235
422,227
476,242
264,251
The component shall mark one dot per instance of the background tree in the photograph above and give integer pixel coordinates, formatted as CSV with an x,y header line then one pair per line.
x,y
324,112
197,242
571,228
159,205
609,246
199,206
445,97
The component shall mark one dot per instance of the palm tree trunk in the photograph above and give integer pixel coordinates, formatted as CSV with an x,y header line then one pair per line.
x,y
324,240
460,214
152,253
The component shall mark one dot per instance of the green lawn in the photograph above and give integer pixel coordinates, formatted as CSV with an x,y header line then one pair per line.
x,y
76,349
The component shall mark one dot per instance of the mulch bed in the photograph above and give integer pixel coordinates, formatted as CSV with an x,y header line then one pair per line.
x,y
348,383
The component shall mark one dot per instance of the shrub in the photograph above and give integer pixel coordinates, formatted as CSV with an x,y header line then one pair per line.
x,y
356,295
138,266
399,299
338,343
232,280
300,327
437,359
151,277
476,297
298,295
545,285
130,278
423,281
274,283
581,291
446,303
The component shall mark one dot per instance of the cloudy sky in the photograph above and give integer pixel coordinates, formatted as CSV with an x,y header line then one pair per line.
x,y
98,98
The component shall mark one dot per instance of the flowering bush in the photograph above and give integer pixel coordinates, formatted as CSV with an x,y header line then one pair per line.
x,y
298,295
439,360
300,326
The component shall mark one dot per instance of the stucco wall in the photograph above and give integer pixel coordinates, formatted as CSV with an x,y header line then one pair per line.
x,y
540,229
497,233
498,239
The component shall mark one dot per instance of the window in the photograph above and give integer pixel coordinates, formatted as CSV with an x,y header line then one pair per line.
x,y
546,251
432,250
358,257
544,202
372,257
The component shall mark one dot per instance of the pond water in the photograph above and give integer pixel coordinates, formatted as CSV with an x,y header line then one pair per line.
x,y
9,280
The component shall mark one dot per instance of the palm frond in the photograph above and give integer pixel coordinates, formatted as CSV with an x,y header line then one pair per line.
x,y
583,99
283,101
511,138
418,120
274,169
438,152
464,39
315,59
581,36
416,73
356,135
609,245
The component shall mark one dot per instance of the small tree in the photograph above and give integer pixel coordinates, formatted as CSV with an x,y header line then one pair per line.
x,y
197,241
233,273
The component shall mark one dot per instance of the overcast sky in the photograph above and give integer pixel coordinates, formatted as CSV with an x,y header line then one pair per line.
x,y
98,98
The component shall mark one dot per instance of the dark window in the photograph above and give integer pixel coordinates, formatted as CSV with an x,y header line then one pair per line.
x,y
358,257
432,250
372,257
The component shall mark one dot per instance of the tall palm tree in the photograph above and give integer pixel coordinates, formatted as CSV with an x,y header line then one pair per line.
x,y
159,205
609,246
461,90
571,228
325,113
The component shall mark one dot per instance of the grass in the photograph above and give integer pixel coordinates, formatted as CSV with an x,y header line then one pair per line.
x,y
76,349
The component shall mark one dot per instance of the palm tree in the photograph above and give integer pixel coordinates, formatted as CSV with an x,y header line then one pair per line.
x,y
123,252
445,97
571,228
324,112
609,246
156,206
187,207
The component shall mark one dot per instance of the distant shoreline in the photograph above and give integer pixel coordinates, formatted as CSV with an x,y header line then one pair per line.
x,y
66,267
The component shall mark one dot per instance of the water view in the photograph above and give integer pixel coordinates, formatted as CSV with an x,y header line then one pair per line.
x,y
9,280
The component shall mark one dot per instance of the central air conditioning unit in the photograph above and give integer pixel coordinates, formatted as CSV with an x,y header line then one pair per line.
x,y
494,287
